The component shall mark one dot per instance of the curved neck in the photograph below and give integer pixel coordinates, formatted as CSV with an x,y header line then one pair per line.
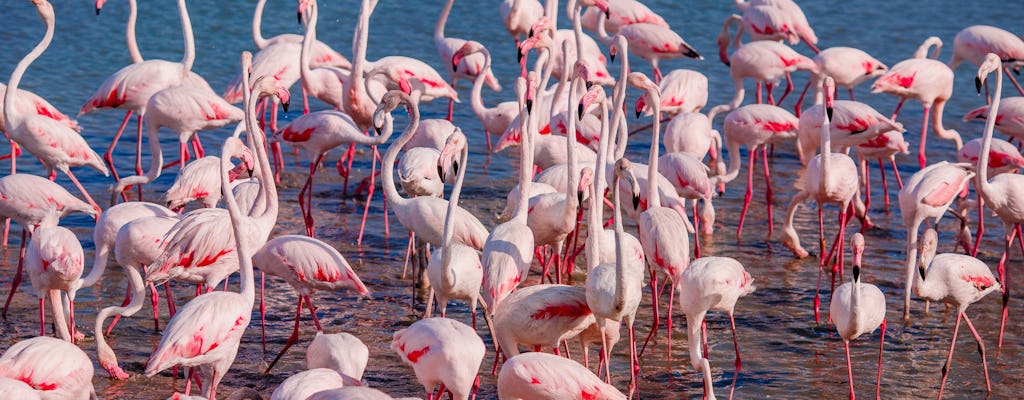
x,y
129,33
653,201
10,114
307,45
186,31
550,11
855,306
156,163
602,33
257,22
693,324
602,165
354,94
388,164
138,288
476,100
619,90
939,129
577,28
986,141
442,20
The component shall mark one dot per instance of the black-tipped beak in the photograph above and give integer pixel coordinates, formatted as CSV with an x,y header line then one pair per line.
x,y
249,171
638,112
376,129
579,197
611,56
440,172
607,13
579,111
519,56
97,11
636,202
588,84
298,17
856,273
1016,71
455,167
691,53
529,105
529,33
455,66
284,106
977,84
828,111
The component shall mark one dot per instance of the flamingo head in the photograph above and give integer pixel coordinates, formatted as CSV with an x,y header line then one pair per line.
x,y
470,47
591,99
531,89
619,43
828,86
585,185
536,41
624,170
264,87
456,143
246,62
599,4
990,64
303,4
543,24
927,249
388,103
581,70
44,8
858,250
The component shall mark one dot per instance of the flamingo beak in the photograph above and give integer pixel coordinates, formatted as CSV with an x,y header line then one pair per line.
x,y
977,84
529,105
856,273
440,173
636,202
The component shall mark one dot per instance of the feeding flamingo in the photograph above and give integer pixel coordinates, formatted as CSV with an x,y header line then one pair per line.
x,y
55,368
495,120
442,351
54,261
342,352
540,375
466,67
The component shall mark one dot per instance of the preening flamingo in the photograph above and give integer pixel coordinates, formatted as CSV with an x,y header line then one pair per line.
x,y
342,352
539,375
926,80
442,351
55,144
652,42
974,42
682,91
55,368
27,102
858,308
54,261
200,181
958,281
621,13
541,315
829,178
307,383
495,120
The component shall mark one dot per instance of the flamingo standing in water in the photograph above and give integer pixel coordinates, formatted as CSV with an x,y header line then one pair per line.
x,y
306,383
322,53
652,42
926,80
857,309
55,144
958,281
495,120
131,87
547,376
55,368
25,103
829,178
442,351
1003,193
200,180
325,81
519,16
847,65
974,42
1003,157
207,331
342,352
1009,117
54,261
883,147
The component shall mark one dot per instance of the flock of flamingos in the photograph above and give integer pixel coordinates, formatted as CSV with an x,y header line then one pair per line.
x,y
554,215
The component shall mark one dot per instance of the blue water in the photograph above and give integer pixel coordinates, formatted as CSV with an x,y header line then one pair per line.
x,y
784,354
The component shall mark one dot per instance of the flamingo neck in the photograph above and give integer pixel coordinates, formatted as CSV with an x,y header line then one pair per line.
x,y
356,99
602,33
190,44
307,46
129,33
572,200
138,294
619,90
453,203
476,100
156,164
826,151
526,132
10,114
550,11
697,360
388,164
620,251
442,20
653,201
257,22
922,286
939,129
986,142
577,28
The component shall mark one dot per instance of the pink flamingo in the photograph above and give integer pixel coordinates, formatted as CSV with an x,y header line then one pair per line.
x,y
342,352
777,20
927,195
711,283
207,331
351,393
138,244
956,280
54,368
308,265
325,81
54,261
306,383
27,102
858,308
974,42
764,61
621,13
508,250
468,66
55,144
542,315
454,270
1000,193
1003,157
926,80
541,375
442,351
652,42
883,147
847,65
663,232
519,16
1009,117
322,53
131,87
495,120
17,389
757,126
614,289
682,90
25,199
853,124
200,180
186,110
417,172
829,178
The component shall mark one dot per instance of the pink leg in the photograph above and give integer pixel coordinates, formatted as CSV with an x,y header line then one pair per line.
x,y
305,101
770,88
108,157
634,361
197,146
821,266
735,346
949,358
488,136
981,350
138,151
865,175
881,347
897,110
1014,80
306,204
768,188
369,196
451,108
294,338
312,312
668,317
758,92
17,275
84,192
42,316
849,368
799,102
1004,277
752,157
789,88
263,309
896,171
696,231
981,225
921,159
171,309
654,304
154,299
885,183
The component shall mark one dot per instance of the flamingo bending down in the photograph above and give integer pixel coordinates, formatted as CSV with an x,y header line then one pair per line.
x,y
200,180
539,375
307,383
829,178
341,352
55,368
308,265
54,143
682,91
54,261
857,309
442,351
883,147
958,281
928,81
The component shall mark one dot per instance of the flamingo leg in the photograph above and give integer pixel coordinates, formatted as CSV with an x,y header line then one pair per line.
x,y
154,299
735,346
898,107
668,317
752,158
604,354
170,299
789,88
896,171
881,347
981,350
1014,80
921,159
312,312
768,189
799,101
108,156
981,225
127,299
138,151
821,266
369,195
294,338
343,169
654,304
634,361
1004,278
696,229
949,358
770,87
263,309
866,181
197,146
17,275
84,192
42,315
849,368
885,184
306,203
758,93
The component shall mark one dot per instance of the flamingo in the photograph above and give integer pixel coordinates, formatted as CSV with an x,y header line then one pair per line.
x,y
307,383
322,53
859,308
926,80
519,16
974,42
417,172
442,351
540,315
26,198
468,66
324,82
17,389
765,61
956,280
307,264
199,180
621,13
847,65
342,352
614,290
207,331
508,250
54,261
540,375
711,283
27,102
853,124
454,270
1003,157
131,87
682,91
350,393
1001,194
757,126
927,195
652,42
54,143
784,20
138,244
829,178
54,368
1009,117
495,120
883,147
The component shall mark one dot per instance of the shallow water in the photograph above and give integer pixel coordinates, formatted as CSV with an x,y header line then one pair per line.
x,y
785,355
